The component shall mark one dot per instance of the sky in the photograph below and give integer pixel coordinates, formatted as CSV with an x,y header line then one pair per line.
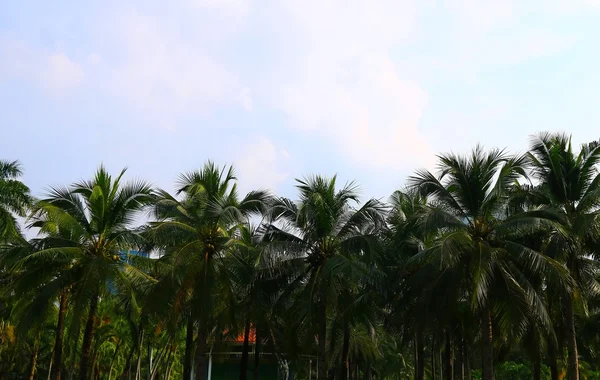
x,y
370,90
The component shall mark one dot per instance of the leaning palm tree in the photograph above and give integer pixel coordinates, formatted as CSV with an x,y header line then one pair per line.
x,y
14,198
569,182
197,231
477,239
86,226
329,235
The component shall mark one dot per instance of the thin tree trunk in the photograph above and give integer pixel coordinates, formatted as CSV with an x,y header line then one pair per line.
x,y
537,369
257,349
88,337
203,321
245,352
127,369
56,370
467,359
322,372
573,360
553,361
201,353
112,361
149,361
449,358
94,365
487,350
461,355
34,357
189,347
138,371
420,359
50,367
345,349
433,369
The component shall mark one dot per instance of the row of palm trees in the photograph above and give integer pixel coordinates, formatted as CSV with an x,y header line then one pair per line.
x,y
491,259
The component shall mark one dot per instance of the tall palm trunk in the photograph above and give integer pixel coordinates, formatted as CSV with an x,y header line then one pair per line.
x,y
127,369
245,353
553,361
201,353
203,320
433,369
420,356
138,370
345,349
487,350
189,348
537,368
56,371
257,349
466,359
112,361
573,361
88,337
34,357
322,372
449,367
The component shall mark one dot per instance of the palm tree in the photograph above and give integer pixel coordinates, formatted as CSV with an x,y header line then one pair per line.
x,y
468,211
329,235
197,231
88,224
14,198
570,183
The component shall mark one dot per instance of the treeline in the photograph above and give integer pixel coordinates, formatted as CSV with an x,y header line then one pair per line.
x,y
486,268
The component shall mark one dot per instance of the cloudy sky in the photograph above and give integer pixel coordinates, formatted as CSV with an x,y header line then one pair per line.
x,y
370,90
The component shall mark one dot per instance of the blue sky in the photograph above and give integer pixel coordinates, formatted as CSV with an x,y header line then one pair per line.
x,y
370,90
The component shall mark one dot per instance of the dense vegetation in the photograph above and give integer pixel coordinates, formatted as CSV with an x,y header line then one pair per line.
x,y
487,268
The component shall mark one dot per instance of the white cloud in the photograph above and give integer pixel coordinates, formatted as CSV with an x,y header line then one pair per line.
x,y
61,72
155,69
246,99
260,165
338,79
54,71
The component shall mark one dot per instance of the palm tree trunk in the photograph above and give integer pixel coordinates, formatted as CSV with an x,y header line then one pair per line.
x,y
537,369
88,337
420,356
322,372
449,367
433,369
138,370
553,361
201,353
257,349
487,350
127,368
189,347
112,361
203,321
56,371
34,357
345,350
245,353
466,360
573,361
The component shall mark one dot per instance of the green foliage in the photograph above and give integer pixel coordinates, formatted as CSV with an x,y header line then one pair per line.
x,y
489,264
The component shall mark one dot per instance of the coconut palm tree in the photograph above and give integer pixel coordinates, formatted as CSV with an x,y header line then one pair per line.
x,y
197,230
569,182
329,234
14,198
88,224
475,237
